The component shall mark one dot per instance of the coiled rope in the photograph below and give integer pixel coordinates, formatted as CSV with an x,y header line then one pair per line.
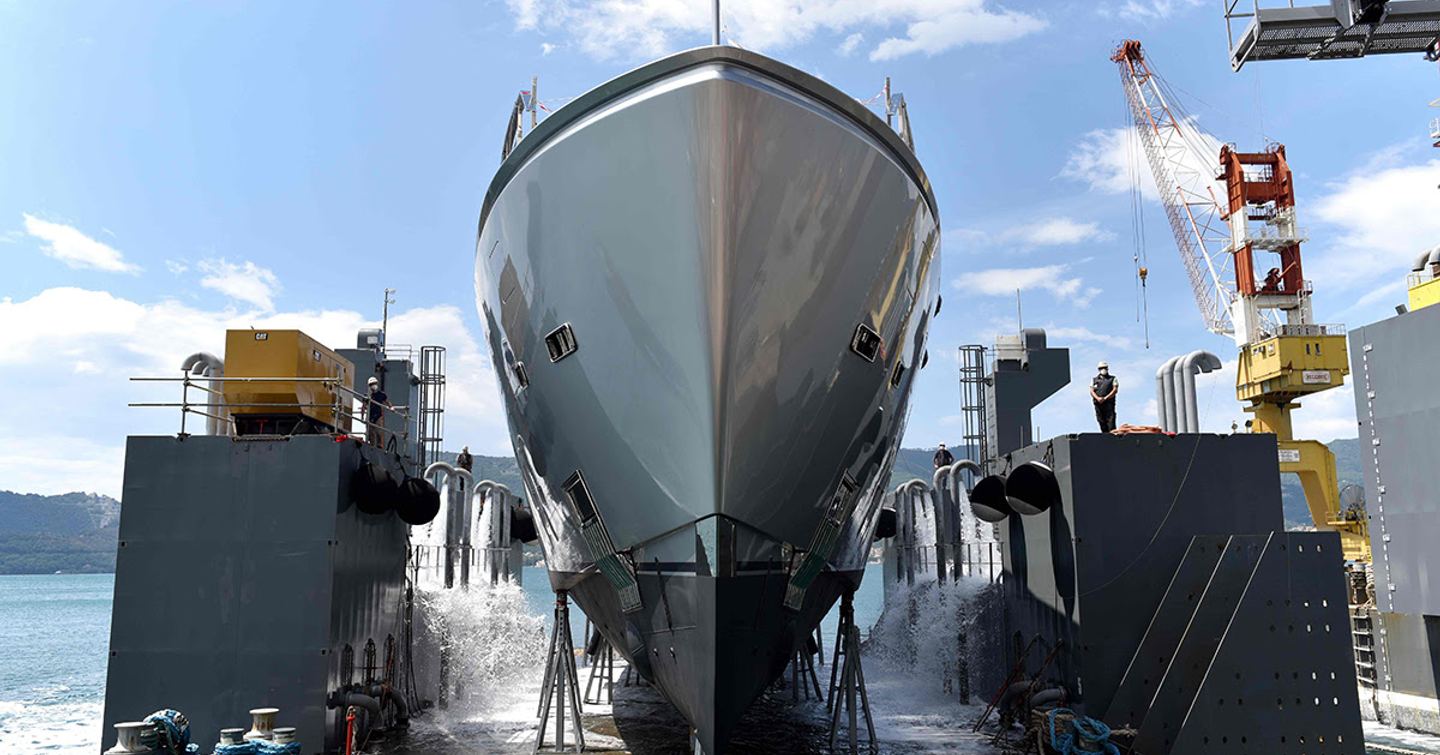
x,y
1092,735
258,747
174,731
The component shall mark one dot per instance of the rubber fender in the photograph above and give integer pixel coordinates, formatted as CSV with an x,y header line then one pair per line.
x,y
373,489
522,526
419,502
988,501
1032,489
887,524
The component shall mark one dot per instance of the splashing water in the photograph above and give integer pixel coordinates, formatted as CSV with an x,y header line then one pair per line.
x,y
921,628
494,644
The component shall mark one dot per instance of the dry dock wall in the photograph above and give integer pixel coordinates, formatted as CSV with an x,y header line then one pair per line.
x,y
1393,363
1179,606
242,574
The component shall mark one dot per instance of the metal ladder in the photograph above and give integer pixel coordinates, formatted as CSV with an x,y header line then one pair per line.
x,y
972,403
432,403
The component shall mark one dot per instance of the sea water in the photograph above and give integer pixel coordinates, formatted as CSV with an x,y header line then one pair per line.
x,y
55,635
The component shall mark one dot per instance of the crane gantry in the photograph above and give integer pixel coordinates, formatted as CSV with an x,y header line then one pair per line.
x,y
1223,210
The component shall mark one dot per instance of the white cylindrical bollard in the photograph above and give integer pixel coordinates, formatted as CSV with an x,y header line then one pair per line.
x,y
284,735
231,737
127,740
263,723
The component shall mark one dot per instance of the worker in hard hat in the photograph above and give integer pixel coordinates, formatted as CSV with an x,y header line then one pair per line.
x,y
375,413
1102,391
943,457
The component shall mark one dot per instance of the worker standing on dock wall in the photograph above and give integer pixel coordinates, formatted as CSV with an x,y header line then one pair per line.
x,y
1102,391
375,413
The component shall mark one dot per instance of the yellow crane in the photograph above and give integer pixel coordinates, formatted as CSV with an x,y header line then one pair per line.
x,y
1222,214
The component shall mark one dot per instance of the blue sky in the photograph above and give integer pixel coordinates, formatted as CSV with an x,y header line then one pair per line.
x,y
171,169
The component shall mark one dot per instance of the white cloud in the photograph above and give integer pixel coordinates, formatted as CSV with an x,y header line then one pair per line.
x,y
546,48
1065,335
847,47
970,23
1382,220
77,348
650,28
75,249
176,267
1147,10
1006,281
1062,230
1058,231
245,282
1109,160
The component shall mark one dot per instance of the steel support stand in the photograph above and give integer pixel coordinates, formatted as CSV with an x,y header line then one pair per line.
x,y
603,667
802,672
562,682
852,681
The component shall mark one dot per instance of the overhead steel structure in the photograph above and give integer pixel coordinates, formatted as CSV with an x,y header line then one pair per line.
x,y
1222,215
1334,30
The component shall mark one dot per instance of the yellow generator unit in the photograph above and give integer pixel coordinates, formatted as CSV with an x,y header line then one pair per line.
x,y
267,403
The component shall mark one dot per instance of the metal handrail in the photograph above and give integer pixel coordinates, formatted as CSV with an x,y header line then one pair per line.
x,y
343,409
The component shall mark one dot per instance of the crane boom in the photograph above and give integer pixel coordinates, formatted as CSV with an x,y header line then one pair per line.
x,y
1177,153
1278,362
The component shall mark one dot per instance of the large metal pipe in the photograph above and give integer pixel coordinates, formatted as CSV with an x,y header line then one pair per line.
x,y
1195,362
1177,393
457,517
206,365
1165,399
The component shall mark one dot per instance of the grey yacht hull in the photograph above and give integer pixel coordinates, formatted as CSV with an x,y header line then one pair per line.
x,y
706,444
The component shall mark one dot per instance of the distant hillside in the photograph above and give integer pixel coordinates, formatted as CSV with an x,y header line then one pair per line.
x,y
501,469
43,534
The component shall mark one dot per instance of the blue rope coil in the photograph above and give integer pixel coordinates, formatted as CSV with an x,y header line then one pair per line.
x,y
174,731
274,748
243,748
1094,734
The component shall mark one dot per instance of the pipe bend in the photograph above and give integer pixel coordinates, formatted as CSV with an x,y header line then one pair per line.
x,y
965,464
213,365
381,692
1169,417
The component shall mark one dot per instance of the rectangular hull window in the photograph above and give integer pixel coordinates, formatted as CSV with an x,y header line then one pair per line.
x,y
521,376
561,342
580,497
865,342
897,374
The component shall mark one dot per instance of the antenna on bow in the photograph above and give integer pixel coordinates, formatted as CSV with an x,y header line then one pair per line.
x,y
715,39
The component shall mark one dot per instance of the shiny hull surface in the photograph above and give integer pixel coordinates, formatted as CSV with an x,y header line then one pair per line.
x,y
710,232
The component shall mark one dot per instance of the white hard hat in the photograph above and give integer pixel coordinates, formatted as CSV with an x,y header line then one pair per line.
x,y
373,381
1103,366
